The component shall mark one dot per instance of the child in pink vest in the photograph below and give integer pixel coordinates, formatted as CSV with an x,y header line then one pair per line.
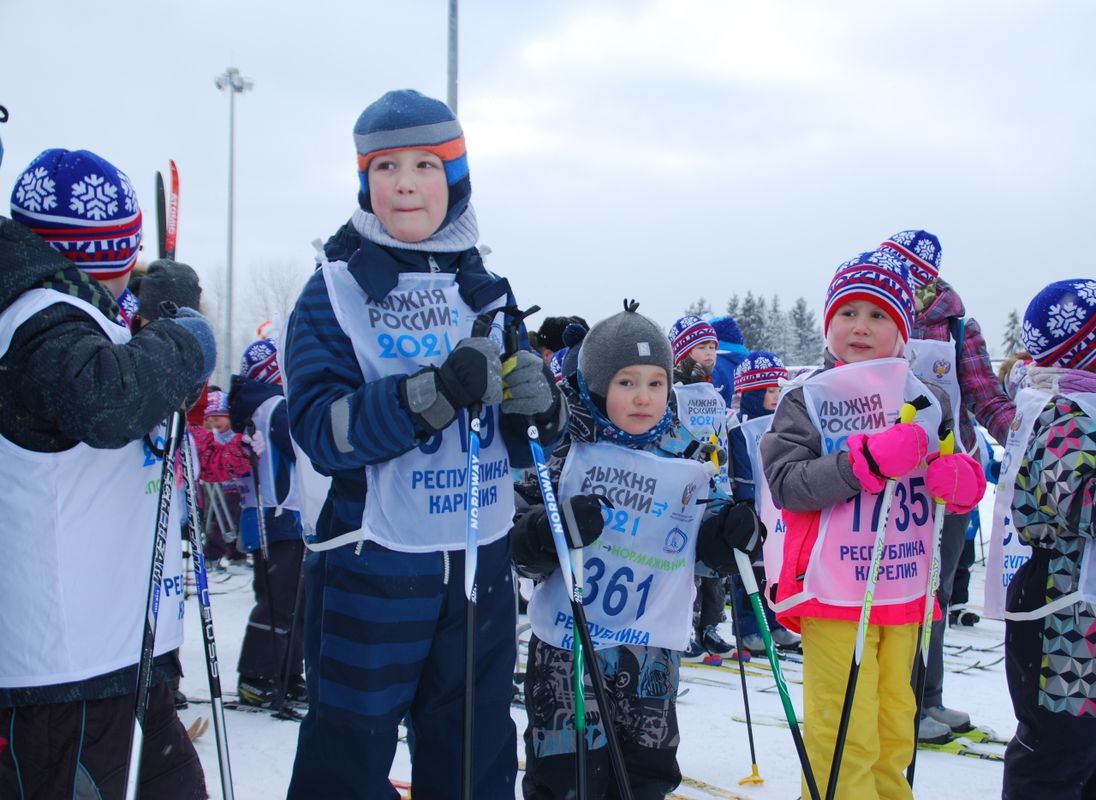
x,y
827,458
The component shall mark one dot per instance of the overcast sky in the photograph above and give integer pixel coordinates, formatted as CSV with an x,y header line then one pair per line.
x,y
657,150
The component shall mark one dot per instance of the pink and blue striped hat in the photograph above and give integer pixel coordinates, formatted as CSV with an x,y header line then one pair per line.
x,y
879,276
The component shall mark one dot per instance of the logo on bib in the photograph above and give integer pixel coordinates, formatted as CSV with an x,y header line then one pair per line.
x,y
687,495
941,367
675,542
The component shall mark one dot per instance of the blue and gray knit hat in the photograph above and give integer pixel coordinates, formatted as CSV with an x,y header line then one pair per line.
x,y
407,120
82,206
687,333
1060,325
879,276
922,253
760,370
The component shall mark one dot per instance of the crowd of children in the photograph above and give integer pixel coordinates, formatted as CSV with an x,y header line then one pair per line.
x,y
413,387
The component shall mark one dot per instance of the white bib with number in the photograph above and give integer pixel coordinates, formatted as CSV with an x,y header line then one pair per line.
x,y
424,492
703,413
638,586
865,397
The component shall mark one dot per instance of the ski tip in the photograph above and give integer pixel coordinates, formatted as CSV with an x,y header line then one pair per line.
x,y
198,727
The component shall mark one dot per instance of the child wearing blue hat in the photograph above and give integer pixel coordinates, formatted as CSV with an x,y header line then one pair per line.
x,y
79,392
382,370
1050,611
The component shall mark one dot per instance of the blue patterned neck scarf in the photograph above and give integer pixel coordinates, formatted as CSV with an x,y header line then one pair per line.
x,y
609,432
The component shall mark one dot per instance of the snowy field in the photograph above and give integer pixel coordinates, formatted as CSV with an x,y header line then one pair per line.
x,y
714,753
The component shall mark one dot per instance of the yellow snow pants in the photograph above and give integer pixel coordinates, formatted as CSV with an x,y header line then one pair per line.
x,y
880,741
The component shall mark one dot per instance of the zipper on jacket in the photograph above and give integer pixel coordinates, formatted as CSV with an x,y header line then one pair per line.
x,y
445,567
433,264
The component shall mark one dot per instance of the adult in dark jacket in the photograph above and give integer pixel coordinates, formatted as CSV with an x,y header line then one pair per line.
x,y
78,394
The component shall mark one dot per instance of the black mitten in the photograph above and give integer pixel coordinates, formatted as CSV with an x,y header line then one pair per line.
x,y
470,375
735,527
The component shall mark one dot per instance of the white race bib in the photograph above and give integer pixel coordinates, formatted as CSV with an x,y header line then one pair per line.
x,y
638,586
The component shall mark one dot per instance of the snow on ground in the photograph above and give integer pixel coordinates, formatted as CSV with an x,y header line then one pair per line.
x,y
714,747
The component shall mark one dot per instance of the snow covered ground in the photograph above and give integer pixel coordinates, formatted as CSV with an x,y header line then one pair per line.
x,y
714,753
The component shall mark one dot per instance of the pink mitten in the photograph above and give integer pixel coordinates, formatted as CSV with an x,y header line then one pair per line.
x,y
888,454
958,480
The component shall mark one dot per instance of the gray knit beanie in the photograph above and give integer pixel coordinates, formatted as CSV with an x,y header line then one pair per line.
x,y
172,281
623,340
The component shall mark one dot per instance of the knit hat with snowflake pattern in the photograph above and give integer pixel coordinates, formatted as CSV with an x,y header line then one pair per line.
x,y
760,370
922,253
880,277
1060,325
82,206
260,362
687,333
216,404
407,120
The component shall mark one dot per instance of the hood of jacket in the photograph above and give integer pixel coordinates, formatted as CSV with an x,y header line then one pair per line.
x,y
932,323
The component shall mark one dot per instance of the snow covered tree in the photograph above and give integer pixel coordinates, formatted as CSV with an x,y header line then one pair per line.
x,y
733,307
1012,342
806,342
777,329
751,319
700,309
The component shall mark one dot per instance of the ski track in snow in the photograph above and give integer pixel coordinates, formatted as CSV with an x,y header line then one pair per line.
x,y
714,748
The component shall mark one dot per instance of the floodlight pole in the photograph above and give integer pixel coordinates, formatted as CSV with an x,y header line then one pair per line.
x,y
452,67
235,84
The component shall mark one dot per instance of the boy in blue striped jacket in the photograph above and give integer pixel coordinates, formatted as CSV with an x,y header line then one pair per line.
x,y
381,369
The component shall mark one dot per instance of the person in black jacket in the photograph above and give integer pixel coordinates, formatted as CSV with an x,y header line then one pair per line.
x,y
78,394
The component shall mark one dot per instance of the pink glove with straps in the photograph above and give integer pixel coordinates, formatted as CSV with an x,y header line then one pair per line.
x,y
957,479
888,454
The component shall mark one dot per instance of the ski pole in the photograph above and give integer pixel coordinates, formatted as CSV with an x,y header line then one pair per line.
x,y
584,656
745,571
481,327
283,688
754,778
921,665
906,414
208,642
264,553
152,605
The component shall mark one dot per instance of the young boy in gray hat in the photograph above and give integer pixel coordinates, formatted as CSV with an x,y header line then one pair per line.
x,y
639,557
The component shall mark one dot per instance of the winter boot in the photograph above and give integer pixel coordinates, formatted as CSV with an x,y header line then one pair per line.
x,y
694,652
180,700
960,615
259,692
296,691
713,642
932,731
786,640
754,643
957,721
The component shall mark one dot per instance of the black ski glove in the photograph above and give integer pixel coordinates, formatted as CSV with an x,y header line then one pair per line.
x,y
582,522
735,527
469,376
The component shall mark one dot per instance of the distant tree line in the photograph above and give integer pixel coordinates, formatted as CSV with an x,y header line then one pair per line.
x,y
795,335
